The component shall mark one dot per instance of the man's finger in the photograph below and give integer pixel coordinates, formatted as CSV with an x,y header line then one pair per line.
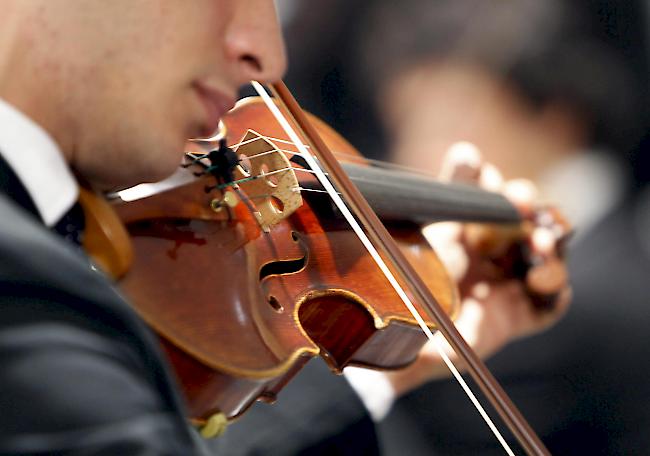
x,y
444,237
543,240
491,178
521,192
462,163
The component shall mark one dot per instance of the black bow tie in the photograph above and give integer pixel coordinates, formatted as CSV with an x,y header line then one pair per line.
x,y
14,189
72,224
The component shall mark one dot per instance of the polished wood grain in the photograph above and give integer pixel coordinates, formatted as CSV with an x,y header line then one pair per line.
x,y
240,310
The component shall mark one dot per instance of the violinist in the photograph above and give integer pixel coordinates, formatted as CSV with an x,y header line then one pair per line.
x,y
106,92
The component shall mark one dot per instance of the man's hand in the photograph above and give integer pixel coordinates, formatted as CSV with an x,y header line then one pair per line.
x,y
497,305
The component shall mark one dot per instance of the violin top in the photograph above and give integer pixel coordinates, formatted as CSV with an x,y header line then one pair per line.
x,y
259,300
246,270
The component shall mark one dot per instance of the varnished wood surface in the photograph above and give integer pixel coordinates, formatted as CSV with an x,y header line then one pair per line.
x,y
233,335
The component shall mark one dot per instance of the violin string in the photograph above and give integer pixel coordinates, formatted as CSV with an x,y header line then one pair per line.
x,y
302,189
370,161
377,163
261,175
385,164
273,151
198,157
262,137
261,196
345,211
315,190
244,198
243,143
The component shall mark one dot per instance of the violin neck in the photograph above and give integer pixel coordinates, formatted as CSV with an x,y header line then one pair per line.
x,y
398,195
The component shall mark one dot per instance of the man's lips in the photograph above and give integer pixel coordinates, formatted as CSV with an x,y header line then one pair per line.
x,y
216,104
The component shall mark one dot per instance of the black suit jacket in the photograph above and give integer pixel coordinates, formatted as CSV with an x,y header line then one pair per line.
x,y
79,374
583,385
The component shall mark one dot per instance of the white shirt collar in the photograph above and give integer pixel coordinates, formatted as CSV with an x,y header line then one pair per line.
x,y
38,162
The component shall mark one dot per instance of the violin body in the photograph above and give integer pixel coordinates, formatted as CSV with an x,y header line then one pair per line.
x,y
240,307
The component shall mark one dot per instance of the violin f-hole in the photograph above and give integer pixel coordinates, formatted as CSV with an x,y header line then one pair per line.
x,y
282,267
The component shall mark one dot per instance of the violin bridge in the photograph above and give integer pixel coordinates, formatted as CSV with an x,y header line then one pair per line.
x,y
272,184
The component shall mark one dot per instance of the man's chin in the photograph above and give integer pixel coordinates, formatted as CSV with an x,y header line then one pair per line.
x,y
116,182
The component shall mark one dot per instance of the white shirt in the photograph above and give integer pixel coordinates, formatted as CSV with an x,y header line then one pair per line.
x,y
37,161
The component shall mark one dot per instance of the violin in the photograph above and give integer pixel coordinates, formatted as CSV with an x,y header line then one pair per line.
x,y
246,270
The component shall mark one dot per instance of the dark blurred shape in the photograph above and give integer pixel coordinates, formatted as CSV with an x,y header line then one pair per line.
x,y
321,41
582,384
589,54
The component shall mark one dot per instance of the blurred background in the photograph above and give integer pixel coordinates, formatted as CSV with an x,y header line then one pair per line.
x,y
553,91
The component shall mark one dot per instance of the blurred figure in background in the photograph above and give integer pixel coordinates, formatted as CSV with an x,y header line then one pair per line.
x,y
538,87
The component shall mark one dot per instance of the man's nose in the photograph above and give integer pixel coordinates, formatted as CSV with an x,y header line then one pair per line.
x,y
254,41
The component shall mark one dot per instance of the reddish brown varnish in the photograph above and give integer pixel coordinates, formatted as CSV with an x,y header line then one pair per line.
x,y
240,311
